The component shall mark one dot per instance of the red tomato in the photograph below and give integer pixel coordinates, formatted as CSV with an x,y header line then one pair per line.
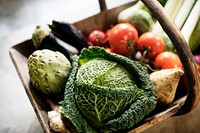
x,y
167,60
152,43
97,37
122,38
108,33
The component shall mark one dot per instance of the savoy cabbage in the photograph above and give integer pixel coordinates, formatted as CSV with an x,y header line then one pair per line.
x,y
106,92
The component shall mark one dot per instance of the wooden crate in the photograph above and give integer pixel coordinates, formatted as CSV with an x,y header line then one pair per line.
x,y
184,103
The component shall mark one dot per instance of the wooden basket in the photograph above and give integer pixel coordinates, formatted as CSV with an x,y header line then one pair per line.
x,y
181,105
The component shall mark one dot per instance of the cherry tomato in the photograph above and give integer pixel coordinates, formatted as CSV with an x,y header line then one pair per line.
x,y
151,43
122,38
108,33
97,37
167,60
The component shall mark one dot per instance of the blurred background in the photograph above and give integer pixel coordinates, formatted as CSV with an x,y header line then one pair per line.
x,y
18,19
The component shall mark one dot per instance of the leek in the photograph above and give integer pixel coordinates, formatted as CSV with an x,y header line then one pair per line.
x,y
171,7
194,40
184,13
186,16
191,22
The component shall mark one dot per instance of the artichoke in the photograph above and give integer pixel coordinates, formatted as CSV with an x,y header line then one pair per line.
x,y
106,92
48,71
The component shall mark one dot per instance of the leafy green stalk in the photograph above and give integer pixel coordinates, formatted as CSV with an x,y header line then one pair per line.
x,y
194,40
183,13
191,22
171,7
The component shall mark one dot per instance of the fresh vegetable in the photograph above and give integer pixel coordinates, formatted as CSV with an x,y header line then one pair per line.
x,y
139,16
165,84
168,43
40,32
167,60
183,13
194,40
171,7
197,58
43,38
55,118
162,2
93,101
186,16
48,71
122,38
69,34
108,33
190,25
141,19
97,37
150,43
126,13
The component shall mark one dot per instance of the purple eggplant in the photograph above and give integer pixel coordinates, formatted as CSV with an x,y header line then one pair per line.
x,y
70,34
43,38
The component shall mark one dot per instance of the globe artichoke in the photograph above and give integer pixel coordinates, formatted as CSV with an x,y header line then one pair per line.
x,y
48,71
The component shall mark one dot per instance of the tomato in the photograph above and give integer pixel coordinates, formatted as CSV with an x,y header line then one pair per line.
x,y
122,38
108,33
167,60
97,37
150,43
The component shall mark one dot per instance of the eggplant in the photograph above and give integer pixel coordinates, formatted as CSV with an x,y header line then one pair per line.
x,y
69,34
43,38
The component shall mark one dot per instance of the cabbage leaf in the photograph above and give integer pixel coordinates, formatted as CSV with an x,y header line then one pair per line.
x,y
106,92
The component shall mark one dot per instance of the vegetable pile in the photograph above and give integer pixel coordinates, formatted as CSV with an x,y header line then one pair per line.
x,y
149,39
110,80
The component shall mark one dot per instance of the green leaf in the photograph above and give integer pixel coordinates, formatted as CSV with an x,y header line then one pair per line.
x,y
114,94
100,104
69,108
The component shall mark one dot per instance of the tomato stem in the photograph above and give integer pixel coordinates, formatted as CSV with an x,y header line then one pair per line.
x,y
131,44
145,52
148,66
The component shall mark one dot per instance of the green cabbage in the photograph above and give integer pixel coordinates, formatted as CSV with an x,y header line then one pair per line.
x,y
106,92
